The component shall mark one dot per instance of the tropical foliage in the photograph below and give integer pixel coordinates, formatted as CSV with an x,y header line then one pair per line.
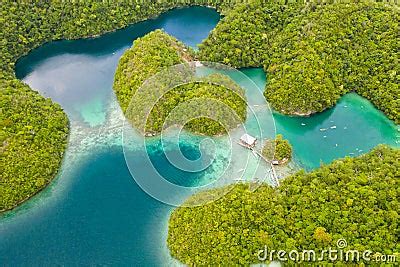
x,y
203,106
33,137
334,50
313,54
353,198
244,36
278,149
206,108
148,55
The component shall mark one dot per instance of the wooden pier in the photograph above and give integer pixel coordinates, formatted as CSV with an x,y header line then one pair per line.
x,y
249,142
274,176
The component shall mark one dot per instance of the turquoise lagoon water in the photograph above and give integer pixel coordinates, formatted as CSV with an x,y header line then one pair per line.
x,y
94,212
353,127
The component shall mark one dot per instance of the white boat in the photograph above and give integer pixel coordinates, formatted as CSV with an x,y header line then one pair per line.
x,y
198,64
323,129
333,127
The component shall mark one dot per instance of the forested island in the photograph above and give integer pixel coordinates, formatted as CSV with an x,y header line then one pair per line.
x,y
33,134
148,55
352,198
313,54
278,150
156,52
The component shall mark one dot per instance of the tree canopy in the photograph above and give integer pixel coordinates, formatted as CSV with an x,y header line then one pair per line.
x,y
278,149
148,55
314,53
352,198
204,103
33,137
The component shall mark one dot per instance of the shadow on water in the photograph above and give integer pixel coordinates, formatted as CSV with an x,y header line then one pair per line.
x,y
190,27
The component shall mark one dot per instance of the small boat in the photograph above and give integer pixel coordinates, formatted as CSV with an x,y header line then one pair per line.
x,y
324,136
303,124
198,64
345,128
336,145
351,153
345,106
323,129
333,127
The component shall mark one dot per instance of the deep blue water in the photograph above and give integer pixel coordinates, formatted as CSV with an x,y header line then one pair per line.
x,y
103,218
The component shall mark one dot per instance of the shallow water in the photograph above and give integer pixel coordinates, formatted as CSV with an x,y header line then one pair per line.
x,y
352,127
94,212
